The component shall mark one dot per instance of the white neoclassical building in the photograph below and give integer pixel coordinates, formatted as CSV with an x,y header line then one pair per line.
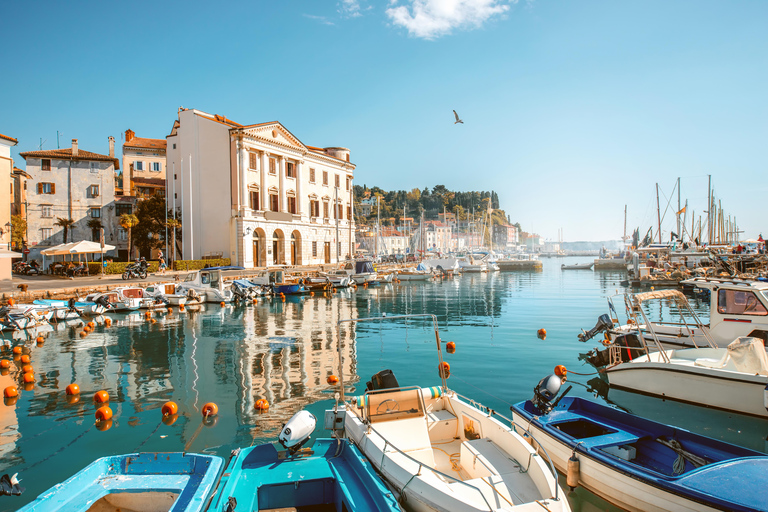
x,y
256,194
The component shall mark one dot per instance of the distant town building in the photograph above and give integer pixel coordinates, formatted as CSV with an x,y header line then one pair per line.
x,y
366,206
143,159
71,184
19,192
437,235
257,194
6,168
504,237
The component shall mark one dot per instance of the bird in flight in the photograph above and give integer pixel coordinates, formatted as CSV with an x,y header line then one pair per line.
x,y
457,118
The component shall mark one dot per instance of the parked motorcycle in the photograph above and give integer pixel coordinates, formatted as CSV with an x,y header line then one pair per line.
x,y
135,270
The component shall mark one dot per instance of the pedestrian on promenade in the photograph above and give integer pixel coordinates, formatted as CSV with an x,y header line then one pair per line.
x,y
162,264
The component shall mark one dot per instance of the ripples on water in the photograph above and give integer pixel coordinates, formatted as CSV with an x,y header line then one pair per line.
x,y
284,351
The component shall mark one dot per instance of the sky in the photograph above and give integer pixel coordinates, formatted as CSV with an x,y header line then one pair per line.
x,y
572,109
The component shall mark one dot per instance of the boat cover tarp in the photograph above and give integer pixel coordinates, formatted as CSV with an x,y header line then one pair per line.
x,y
748,355
364,267
660,294
243,283
421,268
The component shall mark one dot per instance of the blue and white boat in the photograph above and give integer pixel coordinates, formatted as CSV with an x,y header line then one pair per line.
x,y
639,464
171,482
72,306
332,474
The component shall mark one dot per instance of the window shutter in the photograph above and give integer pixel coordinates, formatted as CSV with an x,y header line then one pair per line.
x,y
39,188
53,188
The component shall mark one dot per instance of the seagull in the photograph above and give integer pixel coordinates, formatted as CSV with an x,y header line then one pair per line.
x,y
457,118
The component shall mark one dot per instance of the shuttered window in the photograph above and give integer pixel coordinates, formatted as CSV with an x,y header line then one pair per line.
x,y
46,188
252,160
46,164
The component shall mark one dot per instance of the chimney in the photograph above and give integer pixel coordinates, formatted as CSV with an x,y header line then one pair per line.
x,y
129,135
74,147
111,147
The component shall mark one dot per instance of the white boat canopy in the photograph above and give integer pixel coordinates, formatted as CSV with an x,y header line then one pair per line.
x,y
81,247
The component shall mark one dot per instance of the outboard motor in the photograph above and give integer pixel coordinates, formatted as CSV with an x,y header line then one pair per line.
x,y
604,323
103,301
385,379
297,431
546,391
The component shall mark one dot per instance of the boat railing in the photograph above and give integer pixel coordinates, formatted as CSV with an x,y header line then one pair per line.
x,y
491,413
421,466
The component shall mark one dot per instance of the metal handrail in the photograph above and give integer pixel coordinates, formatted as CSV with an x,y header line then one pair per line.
x,y
421,464
515,426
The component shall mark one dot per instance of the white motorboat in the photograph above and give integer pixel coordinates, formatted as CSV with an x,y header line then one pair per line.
x,y
444,452
737,308
208,284
577,266
169,292
731,379
414,274
361,272
137,295
339,278
86,307
13,319
471,264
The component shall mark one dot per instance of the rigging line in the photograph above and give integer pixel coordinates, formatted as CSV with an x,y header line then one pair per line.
x,y
150,435
57,451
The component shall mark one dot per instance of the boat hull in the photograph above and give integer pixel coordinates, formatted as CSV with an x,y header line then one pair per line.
x,y
710,387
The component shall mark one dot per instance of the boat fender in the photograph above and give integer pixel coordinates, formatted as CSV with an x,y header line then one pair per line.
x,y
572,474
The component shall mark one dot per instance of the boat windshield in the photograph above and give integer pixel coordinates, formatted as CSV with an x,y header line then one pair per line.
x,y
738,302
394,404
190,277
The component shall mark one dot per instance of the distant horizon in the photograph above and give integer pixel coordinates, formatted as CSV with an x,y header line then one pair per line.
x,y
570,110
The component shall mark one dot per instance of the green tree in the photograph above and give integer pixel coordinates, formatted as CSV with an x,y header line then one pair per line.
x,y
150,233
18,231
65,224
174,225
128,221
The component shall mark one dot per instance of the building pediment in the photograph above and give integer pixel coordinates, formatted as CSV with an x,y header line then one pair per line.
x,y
273,133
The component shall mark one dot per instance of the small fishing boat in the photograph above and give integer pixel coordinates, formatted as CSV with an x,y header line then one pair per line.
x,y
244,290
145,300
117,302
362,272
18,320
330,475
420,273
444,452
169,293
339,278
577,266
150,482
638,464
208,284
86,307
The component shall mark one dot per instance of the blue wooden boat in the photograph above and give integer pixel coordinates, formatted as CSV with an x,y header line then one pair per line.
x,y
288,288
149,482
639,464
332,476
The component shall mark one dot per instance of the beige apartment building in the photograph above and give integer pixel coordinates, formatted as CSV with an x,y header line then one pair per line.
x,y
257,194
143,159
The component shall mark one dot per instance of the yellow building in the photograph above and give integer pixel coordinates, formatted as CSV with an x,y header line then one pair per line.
x,y
143,159
6,170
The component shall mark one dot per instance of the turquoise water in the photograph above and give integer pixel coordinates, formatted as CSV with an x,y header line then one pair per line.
x,y
284,351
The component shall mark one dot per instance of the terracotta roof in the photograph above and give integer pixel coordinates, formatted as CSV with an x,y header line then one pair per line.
x,y
159,182
66,154
20,172
139,142
8,138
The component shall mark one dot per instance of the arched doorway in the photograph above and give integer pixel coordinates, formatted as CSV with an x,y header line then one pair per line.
x,y
259,248
296,248
278,250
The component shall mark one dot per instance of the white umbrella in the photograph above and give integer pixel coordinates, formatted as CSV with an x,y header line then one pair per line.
x,y
85,246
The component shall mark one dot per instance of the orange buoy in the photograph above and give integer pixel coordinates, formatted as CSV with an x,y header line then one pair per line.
x,y
561,371
40,340
332,379
10,392
11,302
27,368
4,363
262,404
104,425
86,328
83,334
169,408
450,347
25,359
170,310
91,324
17,350
73,389
152,321
311,294
210,409
103,413
444,369
107,321
333,290
282,299
101,397
223,303
181,307
542,334
29,378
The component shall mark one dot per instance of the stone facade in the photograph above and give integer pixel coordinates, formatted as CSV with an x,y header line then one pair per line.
x,y
257,194
70,184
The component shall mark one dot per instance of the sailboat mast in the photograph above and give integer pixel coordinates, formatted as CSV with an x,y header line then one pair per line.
x,y
658,211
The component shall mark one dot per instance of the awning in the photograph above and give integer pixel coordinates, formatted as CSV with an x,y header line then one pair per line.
x,y
5,253
81,247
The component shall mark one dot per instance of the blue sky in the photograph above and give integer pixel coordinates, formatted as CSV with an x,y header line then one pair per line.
x,y
572,108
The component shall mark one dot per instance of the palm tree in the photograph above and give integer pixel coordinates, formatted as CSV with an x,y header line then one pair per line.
x,y
65,225
127,221
173,225
95,226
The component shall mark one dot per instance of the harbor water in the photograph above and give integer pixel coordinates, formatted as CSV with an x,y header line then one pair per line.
x,y
284,351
